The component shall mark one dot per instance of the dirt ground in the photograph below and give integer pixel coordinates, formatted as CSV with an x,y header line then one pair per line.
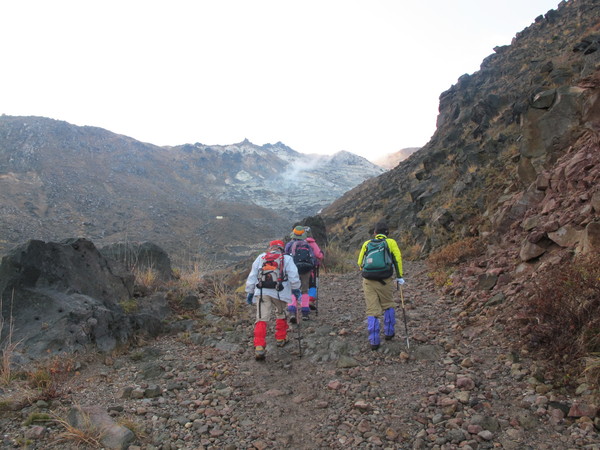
x,y
201,388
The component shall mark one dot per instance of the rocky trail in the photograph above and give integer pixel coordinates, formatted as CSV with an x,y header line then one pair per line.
x,y
202,389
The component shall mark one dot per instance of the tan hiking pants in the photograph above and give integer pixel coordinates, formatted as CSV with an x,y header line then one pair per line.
x,y
268,304
378,296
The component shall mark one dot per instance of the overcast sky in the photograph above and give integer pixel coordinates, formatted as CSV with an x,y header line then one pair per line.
x,y
318,75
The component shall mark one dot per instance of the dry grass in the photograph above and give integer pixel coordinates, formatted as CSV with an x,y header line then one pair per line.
x,y
135,427
85,436
226,302
411,252
455,253
592,368
190,278
50,377
338,260
440,277
444,261
130,305
147,277
7,346
566,312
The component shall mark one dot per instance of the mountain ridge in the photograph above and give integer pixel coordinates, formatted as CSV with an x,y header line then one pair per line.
x,y
59,180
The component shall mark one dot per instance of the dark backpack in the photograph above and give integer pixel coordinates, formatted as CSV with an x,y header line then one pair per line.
x,y
377,261
271,273
303,255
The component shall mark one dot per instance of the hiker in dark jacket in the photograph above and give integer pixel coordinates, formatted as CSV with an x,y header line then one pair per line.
x,y
312,290
299,238
379,292
273,297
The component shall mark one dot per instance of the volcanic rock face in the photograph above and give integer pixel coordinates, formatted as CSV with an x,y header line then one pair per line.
x,y
62,296
66,297
277,177
58,180
501,133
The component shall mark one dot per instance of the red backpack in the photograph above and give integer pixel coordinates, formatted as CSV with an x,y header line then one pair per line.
x,y
271,274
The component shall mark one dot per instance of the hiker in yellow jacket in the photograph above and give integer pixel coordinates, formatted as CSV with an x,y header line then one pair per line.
x,y
378,258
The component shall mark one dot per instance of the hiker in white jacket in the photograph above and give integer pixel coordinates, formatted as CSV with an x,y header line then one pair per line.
x,y
270,284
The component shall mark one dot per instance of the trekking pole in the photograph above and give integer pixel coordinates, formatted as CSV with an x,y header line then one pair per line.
x,y
299,336
404,314
317,289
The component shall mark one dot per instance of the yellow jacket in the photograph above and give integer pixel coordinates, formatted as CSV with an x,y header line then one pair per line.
x,y
394,250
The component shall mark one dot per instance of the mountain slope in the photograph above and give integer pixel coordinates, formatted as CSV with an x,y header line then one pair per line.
x,y
498,130
505,198
58,180
391,160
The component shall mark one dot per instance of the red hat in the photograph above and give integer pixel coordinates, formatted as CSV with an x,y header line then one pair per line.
x,y
276,244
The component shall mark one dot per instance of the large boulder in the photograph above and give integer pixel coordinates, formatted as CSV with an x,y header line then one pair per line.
x,y
548,130
141,257
64,297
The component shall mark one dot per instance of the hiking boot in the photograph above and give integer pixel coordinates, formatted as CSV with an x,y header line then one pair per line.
x,y
389,338
305,318
374,347
281,342
293,319
259,353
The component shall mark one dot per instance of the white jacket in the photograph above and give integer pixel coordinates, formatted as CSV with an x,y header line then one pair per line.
x,y
292,282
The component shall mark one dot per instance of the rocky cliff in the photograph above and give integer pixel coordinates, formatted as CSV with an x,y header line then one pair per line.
x,y
510,139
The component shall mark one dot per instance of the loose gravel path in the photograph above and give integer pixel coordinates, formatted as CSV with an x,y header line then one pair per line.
x,y
202,389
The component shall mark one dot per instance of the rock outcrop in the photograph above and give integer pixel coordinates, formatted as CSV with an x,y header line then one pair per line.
x,y
504,135
141,257
66,297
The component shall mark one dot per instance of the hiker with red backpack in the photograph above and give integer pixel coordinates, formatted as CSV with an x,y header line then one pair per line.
x,y
378,258
272,279
304,257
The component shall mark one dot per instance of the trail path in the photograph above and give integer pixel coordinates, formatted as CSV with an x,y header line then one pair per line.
x,y
453,390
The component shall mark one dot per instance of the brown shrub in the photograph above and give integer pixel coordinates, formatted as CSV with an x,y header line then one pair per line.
x,y
338,260
566,307
50,377
455,253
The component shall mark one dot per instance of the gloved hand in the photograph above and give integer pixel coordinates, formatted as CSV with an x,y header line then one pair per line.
x,y
297,293
249,298
400,281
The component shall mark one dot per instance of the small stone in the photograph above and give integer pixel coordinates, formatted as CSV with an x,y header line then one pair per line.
x,y
391,434
515,434
364,426
582,409
474,429
467,362
334,385
486,435
362,405
137,393
556,416
35,432
463,397
437,418
260,445
543,389
465,383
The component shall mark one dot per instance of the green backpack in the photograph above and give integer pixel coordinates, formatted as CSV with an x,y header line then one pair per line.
x,y
377,261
